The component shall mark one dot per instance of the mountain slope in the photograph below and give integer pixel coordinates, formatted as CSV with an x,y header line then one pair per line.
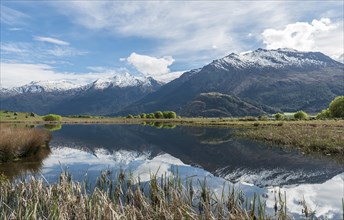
x,y
215,104
102,96
283,79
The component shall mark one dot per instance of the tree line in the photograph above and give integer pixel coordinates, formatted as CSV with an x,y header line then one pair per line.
x,y
155,115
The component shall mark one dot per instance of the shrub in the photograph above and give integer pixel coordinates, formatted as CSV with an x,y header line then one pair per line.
x,y
150,115
336,107
279,116
158,114
130,116
324,114
301,115
263,118
143,115
52,117
172,115
21,142
169,114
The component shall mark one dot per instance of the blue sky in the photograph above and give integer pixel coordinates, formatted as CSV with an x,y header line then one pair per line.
x,y
85,40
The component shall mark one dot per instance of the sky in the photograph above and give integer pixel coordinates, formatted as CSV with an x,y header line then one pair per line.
x,y
82,41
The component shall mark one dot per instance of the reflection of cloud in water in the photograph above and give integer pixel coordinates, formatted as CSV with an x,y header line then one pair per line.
x,y
325,198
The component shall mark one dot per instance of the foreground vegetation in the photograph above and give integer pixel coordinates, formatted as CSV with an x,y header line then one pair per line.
x,y
162,198
19,142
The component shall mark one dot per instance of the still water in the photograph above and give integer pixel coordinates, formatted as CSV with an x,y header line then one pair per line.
x,y
86,150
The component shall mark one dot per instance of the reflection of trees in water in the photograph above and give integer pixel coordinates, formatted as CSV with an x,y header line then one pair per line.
x,y
159,125
30,164
211,136
53,127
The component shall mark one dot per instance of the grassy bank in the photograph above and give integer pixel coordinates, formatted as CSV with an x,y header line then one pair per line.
x,y
19,142
160,198
326,137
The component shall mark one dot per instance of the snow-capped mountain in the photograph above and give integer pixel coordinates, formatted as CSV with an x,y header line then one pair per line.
x,y
280,58
272,80
121,81
59,86
102,96
42,86
248,81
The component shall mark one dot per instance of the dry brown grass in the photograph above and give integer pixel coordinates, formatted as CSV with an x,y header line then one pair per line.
x,y
166,198
17,142
326,137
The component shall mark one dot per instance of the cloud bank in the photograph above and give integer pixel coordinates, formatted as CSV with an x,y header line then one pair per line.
x,y
319,35
18,74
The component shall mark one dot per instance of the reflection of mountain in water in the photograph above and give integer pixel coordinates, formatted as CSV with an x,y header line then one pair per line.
x,y
213,149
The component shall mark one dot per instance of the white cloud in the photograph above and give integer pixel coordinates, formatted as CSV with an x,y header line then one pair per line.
x,y
18,48
10,16
319,35
15,29
154,67
31,52
18,74
51,40
150,66
65,52
183,29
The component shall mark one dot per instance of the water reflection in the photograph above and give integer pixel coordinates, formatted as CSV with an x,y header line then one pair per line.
x,y
325,197
213,149
52,127
31,164
86,150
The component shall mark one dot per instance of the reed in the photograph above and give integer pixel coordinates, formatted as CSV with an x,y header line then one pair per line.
x,y
19,142
161,198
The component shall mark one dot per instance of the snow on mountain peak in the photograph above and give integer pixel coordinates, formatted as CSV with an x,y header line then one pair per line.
x,y
43,86
279,58
122,81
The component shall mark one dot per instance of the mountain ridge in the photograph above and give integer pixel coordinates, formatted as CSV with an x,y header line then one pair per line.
x,y
266,81
308,83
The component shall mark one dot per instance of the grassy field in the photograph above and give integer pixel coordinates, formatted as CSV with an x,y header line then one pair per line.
x,y
326,137
166,197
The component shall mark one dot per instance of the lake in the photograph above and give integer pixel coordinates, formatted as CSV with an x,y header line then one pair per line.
x,y
194,152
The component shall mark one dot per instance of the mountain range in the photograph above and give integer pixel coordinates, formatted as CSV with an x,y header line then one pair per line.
x,y
251,83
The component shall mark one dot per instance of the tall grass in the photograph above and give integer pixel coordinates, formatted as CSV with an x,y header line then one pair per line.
x,y
310,137
18,142
161,198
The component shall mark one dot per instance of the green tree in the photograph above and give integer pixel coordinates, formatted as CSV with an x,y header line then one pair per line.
x,y
165,114
336,107
301,115
172,115
130,116
279,116
169,114
324,114
143,115
150,115
158,114
52,117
